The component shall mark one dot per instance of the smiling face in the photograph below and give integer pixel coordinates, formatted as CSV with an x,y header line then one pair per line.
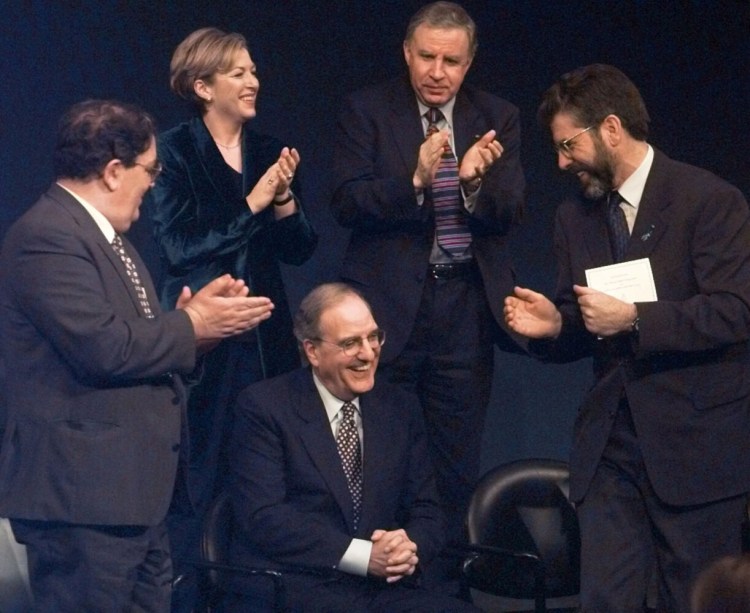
x,y
232,94
344,376
587,156
438,59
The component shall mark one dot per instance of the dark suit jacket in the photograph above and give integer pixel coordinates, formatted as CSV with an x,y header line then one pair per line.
x,y
205,229
289,490
377,146
687,375
94,424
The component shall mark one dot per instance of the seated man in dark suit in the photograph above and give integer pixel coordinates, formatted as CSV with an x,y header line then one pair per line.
x,y
360,510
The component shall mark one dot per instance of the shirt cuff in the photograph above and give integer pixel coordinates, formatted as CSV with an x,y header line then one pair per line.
x,y
470,201
356,558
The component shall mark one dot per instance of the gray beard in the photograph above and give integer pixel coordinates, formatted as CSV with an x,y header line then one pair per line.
x,y
596,188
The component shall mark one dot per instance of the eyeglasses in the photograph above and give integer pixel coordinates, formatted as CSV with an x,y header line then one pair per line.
x,y
352,346
153,171
564,146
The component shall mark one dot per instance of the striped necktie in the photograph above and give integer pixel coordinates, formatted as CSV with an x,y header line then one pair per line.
x,y
451,229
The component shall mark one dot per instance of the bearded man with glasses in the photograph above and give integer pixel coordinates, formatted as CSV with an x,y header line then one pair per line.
x,y
660,467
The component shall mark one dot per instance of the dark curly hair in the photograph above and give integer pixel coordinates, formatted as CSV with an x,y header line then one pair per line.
x,y
590,93
94,132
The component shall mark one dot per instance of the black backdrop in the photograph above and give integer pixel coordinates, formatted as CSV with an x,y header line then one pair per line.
x,y
690,58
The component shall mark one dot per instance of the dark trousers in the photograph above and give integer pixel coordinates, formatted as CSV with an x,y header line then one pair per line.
x,y
90,569
349,594
629,536
448,363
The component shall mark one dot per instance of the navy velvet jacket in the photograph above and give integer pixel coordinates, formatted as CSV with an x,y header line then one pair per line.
x,y
204,227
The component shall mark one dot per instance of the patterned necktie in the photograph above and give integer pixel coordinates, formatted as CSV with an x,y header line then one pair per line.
x,y
452,232
133,275
347,440
619,234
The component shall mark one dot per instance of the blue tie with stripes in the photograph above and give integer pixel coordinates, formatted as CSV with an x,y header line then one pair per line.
x,y
451,229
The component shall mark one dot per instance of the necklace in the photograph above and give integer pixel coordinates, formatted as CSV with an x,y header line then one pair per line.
x,y
228,146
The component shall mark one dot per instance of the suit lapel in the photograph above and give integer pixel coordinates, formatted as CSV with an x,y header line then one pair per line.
x,y
93,233
652,220
217,171
405,122
375,440
467,124
318,440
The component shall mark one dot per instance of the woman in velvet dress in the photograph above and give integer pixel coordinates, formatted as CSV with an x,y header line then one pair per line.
x,y
226,202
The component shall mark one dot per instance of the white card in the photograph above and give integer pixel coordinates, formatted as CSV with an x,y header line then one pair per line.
x,y
627,281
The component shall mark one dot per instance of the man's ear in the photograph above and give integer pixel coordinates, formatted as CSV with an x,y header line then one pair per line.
x,y
311,352
112,174
611,129
407,52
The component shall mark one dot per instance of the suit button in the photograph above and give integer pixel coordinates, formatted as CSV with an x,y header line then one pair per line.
x,y
176,447
175,400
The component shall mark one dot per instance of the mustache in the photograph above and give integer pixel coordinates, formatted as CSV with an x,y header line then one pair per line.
x,y
577,167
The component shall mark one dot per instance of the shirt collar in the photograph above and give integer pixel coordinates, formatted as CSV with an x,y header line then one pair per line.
x,y
99,219
331,403
632,188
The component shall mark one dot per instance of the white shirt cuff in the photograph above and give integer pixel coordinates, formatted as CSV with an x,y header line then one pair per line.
x,y
356,558
470,202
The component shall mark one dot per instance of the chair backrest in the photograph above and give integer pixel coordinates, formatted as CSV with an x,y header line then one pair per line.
x,y
523,506
218,528
217,534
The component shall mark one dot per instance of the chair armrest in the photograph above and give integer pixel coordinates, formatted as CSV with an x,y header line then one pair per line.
x,y
474,550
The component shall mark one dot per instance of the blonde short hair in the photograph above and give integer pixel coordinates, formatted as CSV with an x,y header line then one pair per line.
x,y
203,54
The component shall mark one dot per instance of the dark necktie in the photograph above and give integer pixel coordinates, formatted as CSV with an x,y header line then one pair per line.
x,y
619,235
132,271
347,440
452,232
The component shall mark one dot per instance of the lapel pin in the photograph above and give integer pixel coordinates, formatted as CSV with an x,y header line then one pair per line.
x,y
646,235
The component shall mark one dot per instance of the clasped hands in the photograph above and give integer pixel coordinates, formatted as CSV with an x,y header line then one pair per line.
x,y
393,555
533,315
223,308
475,163
275,182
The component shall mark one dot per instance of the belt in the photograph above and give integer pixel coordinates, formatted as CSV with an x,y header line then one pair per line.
x,y
452,271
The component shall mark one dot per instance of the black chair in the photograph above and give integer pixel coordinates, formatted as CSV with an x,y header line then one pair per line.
x,y
523,533
215,571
